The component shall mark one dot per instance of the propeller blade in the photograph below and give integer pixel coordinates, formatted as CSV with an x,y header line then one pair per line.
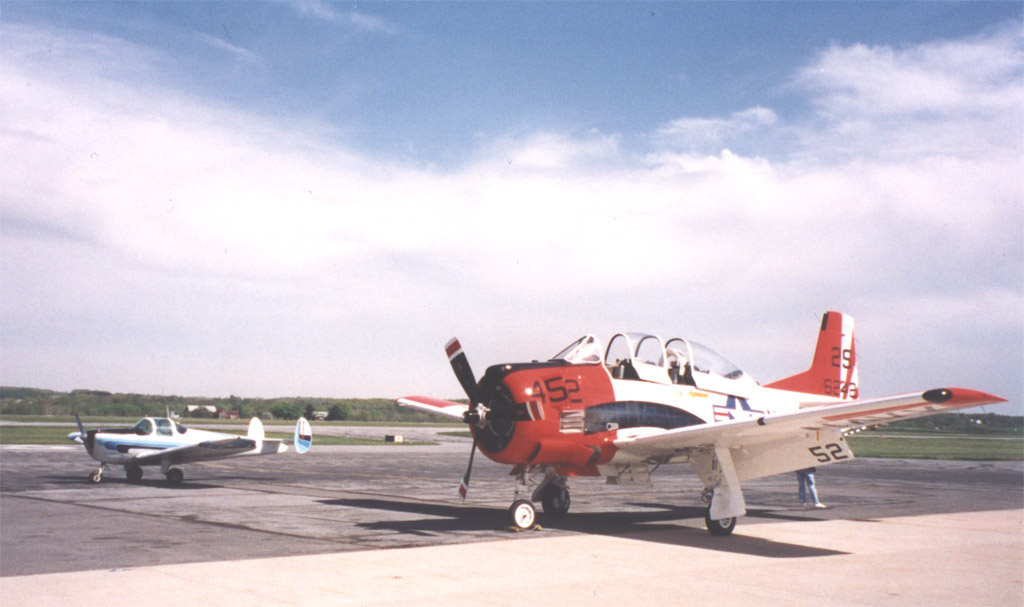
x,y
464,485
84,435
460,364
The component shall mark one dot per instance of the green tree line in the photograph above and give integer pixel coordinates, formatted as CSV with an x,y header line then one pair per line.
x,y
33,401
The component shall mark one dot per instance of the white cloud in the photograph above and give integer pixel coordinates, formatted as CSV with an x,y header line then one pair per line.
x,y
233,49
959,97
356,20
701,132
153,240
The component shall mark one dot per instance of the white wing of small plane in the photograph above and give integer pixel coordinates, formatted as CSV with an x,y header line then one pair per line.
x,y
206,450
773,444
818,417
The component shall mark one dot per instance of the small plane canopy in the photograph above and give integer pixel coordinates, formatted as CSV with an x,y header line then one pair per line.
x,y
648,357
160,425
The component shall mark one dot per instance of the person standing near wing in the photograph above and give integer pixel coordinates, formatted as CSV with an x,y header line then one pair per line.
x,y
806,479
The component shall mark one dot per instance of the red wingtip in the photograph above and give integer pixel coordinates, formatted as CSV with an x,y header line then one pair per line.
x,y
964,397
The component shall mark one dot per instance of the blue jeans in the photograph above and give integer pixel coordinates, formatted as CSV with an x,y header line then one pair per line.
x,y
806,480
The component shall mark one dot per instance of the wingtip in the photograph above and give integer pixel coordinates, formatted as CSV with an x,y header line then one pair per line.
x,y
961,397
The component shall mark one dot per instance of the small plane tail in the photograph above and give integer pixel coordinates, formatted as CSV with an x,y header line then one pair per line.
x,y
255,429
833,371
303,436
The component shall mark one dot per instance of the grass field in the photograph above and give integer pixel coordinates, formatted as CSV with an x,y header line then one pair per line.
x,y
937,447
113,422
58,435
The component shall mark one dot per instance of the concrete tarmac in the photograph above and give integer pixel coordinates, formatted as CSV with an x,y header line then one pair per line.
x,y
309,529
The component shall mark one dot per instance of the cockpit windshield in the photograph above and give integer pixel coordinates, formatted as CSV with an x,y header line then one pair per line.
x,y
706,360
162,425
585,350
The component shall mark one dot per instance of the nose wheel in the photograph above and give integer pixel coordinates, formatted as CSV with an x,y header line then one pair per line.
x,y
522,515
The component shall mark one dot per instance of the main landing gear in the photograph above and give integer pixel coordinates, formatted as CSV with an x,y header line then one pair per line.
x,y
721,526
717,527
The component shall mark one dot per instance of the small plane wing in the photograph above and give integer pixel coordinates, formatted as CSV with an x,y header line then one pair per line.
x,y
206,450
832,417
436,406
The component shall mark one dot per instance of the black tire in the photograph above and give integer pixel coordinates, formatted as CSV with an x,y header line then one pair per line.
x,y
175,476
522,514
134,473
555,500
721,527
96,476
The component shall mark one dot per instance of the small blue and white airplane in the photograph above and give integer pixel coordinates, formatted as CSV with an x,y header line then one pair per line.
x,y
163,441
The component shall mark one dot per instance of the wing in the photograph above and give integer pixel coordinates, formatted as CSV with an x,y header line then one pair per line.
x,y
206,450
434,405
812,436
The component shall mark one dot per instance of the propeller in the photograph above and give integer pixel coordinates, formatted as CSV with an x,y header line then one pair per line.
x,y
86,439
475,413
464,485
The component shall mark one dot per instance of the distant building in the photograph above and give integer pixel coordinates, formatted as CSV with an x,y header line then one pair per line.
x,y
227,415
209,408
319,416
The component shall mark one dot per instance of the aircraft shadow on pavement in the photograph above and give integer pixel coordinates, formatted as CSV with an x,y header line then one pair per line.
x,y
651,525
122,481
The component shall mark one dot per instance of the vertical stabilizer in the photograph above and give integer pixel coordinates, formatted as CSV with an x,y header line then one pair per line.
x,y
833,371
303,436
255,429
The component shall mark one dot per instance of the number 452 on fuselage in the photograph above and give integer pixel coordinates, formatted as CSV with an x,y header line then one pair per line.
x,y
644,402
161,441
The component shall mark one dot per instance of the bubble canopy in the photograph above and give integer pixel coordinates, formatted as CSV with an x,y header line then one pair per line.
x,y
647,349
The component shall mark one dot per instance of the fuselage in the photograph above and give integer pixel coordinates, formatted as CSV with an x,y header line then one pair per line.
x,y
149,436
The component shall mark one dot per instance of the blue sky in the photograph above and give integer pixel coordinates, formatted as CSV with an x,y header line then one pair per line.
x,y
310,198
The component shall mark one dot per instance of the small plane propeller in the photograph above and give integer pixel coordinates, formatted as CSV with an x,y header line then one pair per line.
x,y
86,439
460,365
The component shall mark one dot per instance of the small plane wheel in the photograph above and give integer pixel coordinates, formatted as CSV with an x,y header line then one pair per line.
x,y
175,476
555,500
134,473
721,526
522,514
96,476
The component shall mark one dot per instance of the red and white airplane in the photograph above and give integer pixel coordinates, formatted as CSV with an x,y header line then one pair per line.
x,y
623,412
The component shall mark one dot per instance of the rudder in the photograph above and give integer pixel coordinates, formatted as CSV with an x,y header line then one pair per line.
x,y
833,371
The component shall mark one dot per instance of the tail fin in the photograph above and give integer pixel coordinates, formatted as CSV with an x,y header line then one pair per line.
x,y
255,429
303,436
833,371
